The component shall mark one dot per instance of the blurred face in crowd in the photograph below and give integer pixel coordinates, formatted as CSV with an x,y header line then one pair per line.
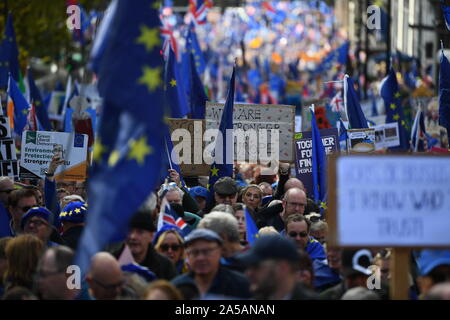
x,y
225,199
174,196
204,257
138,241
239,214
252,198
106,278
157,294
6,186
320,235
293,183
266,190
38,227
383,264
334,258
264,278
298,231
294,202
201,202
171,247
23,205
70,186
52,283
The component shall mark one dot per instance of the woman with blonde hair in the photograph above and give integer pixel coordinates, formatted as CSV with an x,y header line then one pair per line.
x,y
169,242
162,290
22,255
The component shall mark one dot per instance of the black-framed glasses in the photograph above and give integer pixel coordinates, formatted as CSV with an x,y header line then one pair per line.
x,y
294,234
166,247
109,286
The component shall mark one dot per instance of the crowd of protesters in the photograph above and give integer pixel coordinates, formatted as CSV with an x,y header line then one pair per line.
x,y
290,258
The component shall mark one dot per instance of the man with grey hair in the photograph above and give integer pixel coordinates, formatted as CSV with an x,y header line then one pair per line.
x,y
226,226
319,231
52,274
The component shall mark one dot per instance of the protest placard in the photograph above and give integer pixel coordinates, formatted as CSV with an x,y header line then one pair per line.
x,y
259,117
8,158
196,128
38,148
386,135
303,147
361,140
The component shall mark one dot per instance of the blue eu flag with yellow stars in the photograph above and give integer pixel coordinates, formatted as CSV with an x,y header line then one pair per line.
x,y
394,112
356,117
175,94
224,152
251,230
13,51
194,47
130,145
319,165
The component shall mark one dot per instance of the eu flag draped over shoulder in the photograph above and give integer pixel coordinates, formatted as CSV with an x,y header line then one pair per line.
x,y
223,166
319,165
394,112
130,145
355,115
444,94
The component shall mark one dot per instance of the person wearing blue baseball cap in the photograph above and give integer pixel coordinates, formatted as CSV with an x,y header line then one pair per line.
x,y
72,220
434,268
200,194
36,221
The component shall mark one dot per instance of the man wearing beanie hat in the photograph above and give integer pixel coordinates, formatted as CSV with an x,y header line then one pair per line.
x,y
139,240
36,221
72,219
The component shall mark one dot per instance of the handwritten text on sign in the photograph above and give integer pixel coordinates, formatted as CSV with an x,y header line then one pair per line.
x,y
393,200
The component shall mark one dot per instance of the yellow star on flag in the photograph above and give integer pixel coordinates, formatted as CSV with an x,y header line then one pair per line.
x,y
396,116
113,158
77,210
99,149
70,213
25,111
214,171
173,82
63,214
149,37
393,106
397,94
207,186
323,205
403,123
156,5
139,149
151,78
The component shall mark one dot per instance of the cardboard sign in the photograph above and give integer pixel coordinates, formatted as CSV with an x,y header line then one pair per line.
x,y
303,147
38,148
196,129
8,159
389,200
259,117
361,140
386,136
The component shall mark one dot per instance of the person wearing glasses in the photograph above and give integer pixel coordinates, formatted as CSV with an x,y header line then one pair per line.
x,y
105,278
297,229
203,250
169,242
37,222
19,202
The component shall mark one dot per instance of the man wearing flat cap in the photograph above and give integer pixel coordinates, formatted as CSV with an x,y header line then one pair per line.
x,y
203,250
225,191
272,266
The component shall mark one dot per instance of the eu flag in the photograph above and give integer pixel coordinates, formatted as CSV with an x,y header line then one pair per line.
x,y
194,47
129,147
197,98
355,115
446,11
13,51
4,63
319,165
36,99
394,112
444,94
175,94
224,149
21,106
251,230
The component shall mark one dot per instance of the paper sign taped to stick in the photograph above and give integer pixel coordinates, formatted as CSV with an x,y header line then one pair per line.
x,y
361,140
386,136
390,200
38,148
259,117
303,147
8,159
192,163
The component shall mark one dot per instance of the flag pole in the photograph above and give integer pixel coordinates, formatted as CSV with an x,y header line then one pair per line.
x,y
168,155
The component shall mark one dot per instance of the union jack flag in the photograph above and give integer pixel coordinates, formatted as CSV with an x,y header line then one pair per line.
x,y
198,10
171,217
169,39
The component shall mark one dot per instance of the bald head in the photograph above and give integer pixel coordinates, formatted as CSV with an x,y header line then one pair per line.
x,y
105,277
293,183
294,202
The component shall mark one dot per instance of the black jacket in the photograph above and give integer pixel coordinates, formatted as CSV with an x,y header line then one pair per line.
x,y
301,292
226,283
159,264
72,236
